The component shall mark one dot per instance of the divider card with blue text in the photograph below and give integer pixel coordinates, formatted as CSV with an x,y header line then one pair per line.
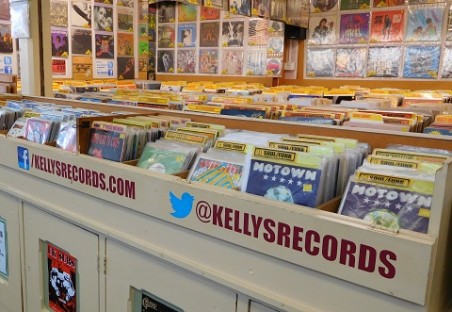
x,y
286,176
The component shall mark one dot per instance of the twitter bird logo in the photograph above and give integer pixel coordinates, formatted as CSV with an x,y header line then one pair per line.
x,y
181,206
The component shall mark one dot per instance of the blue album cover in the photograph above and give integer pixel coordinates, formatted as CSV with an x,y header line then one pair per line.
x,y
287,183
312,120
243,112
438,131
186,35
386,206
421,62
107,144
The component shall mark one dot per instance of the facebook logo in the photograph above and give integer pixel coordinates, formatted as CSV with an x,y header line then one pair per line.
x,y
8,70
23,158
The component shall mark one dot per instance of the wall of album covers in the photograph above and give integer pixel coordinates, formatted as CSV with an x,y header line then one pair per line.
x,y
8,54
209,40
99,39
371,39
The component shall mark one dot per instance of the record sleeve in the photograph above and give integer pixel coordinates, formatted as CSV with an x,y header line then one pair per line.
x,y
396,203
256,63
208,61
257,32
449,25
209,35
60,44
125,44
318,6
297,13
166,36
81,41
186,61
355,4
278,10
320,63
354,28
107,144
165,159
275,45
232,62
295,183
125,19
421,62
186,35
187,12
260,8
209,13
350,62
387,3
18,128
215,171
425,23
447,63
232,34
58,13
4,10
220,4
384,61
105,46
81,13
82,67
6,45
62,279
103,18
166,12
274,66
322,29
38,130
126,3
126,67
165,61
242,7
411,2
387,26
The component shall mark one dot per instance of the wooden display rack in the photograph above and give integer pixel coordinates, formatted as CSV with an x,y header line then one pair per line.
x,y
300,259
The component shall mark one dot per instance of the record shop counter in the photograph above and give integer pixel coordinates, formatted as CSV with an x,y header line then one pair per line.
x,y
283,250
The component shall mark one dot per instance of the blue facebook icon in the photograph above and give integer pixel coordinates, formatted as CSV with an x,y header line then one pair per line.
x,y
23,158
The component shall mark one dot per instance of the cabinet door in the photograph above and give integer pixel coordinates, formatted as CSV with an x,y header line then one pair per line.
x,y
165,286
10,263
61,264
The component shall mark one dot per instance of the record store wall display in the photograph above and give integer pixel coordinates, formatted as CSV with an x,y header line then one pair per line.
x,y
208,40
8,49
97,39
379,39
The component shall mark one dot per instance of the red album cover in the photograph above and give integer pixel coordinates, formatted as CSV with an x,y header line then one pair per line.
x,y
62,272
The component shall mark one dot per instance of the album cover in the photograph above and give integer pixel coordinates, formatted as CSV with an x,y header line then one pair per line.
x,y
58,13
354,28
256,63
105,46
208,61
447,63
62,279
59,67
320,63
143,48
322,29
166,36
355,4
4,10
318,6
274,66
165,61
38,130
6,45
424,24
164,160
275,45
384,61
81,13
278,10
411,2
260,8
143,64
125,19
232,62
209,35
297,13
449,25
125,44
403,209
210,170
59,43
81,41
387,26
186,35
292,183
187,12
127,3
232,34
82,68
421,62
387,3
220,4
350,62
209,13
104,1
186,61
242,7
257,32
18,128
166,12
276,29
126,67
103,18
107,144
